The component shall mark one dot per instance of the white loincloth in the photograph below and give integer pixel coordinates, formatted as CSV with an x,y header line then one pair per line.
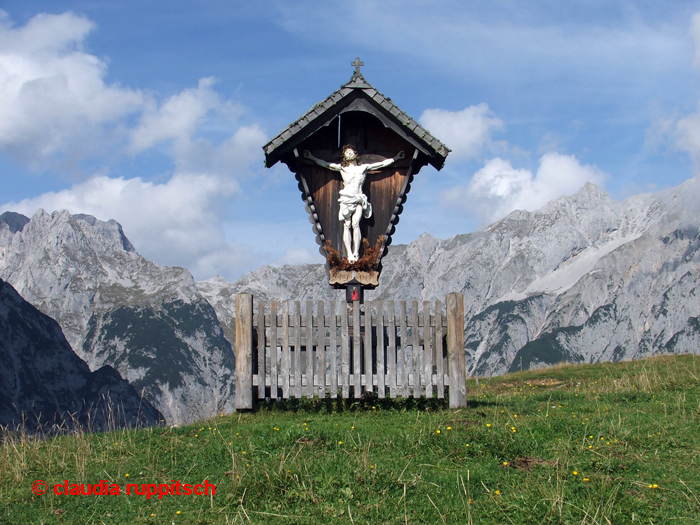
x,y
349,203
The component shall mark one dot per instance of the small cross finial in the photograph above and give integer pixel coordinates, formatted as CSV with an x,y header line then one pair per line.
x,y
357,64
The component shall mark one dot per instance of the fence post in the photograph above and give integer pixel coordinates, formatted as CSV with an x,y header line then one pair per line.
x,y
455,350
244,352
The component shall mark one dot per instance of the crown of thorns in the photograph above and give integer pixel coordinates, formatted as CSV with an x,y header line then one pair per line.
x,y
342,154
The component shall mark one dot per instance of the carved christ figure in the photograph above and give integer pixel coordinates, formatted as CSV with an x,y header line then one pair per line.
x,y
353,203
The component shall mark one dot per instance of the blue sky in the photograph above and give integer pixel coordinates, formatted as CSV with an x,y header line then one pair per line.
x,y
154,113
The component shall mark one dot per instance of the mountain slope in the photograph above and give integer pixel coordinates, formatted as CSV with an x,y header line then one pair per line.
x,y
44,383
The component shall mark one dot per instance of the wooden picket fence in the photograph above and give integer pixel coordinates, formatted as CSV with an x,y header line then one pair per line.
x,y
367,348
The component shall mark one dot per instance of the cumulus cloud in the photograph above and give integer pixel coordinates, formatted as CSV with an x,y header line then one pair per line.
x,y
466,132
239,151
176,118
175,223
498,188
54,103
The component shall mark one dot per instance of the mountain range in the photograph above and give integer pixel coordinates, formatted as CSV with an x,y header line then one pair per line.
x,y
583,279
116,308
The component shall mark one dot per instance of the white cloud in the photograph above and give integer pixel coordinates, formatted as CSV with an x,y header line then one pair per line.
x,y
176,118
466,132
239,151
54,104
56,110
177,223
498,188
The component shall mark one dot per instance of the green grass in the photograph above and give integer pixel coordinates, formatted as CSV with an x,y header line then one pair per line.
x,y
588,444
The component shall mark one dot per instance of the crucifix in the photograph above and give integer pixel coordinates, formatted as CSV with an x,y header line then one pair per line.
x,y
357,64
355,194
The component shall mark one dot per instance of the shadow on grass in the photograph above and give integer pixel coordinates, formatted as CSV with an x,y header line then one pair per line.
x,y
366,403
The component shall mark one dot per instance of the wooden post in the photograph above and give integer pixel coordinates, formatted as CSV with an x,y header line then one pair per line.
x,y
244,352
455,350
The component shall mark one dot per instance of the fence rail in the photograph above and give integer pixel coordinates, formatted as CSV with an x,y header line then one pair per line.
x,y
370,348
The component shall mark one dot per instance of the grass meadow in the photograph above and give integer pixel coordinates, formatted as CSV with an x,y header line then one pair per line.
x,y
587,444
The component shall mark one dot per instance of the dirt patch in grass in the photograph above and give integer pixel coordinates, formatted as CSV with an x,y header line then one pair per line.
x,y
528,463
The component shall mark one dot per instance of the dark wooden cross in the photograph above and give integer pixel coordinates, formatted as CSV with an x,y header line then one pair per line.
x,y
357,64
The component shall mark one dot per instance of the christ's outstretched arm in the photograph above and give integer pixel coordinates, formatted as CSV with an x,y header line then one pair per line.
x,y
328,165
385,163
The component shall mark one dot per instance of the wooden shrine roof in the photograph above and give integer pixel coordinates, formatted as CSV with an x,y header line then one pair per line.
x,y
357,95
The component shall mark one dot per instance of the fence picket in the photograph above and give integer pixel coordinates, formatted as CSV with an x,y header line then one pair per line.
x,y
381,377
273,350
369,381
309,350
285,350
415,350
356,349
405,358
392,351
261,349
428,339
321,350
344,353
439,334
297,349
334,353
